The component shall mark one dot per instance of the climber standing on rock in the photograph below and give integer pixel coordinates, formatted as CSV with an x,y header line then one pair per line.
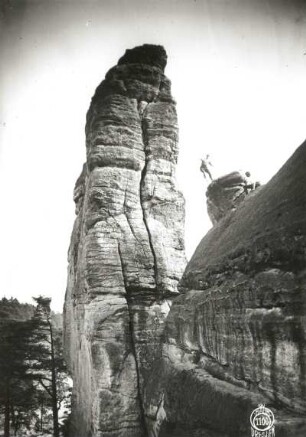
x,y
205,164
249,185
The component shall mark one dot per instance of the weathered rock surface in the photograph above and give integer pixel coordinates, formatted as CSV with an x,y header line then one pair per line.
x,y
127,249
236,336
226,193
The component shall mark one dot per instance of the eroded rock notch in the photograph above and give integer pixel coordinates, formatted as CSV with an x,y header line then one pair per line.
x,y
127,247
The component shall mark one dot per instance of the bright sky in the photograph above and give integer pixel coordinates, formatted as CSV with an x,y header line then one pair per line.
x,y
238,70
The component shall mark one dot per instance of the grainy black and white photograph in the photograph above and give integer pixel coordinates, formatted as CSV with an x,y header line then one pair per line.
x,y
153,218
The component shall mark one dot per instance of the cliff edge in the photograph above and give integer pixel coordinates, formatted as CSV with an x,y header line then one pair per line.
x,y
236,336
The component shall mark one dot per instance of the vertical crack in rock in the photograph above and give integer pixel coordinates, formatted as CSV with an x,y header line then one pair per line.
x,y
133,343
127,248
142,200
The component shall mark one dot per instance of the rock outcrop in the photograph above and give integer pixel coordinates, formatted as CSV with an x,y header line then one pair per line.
x,y
226,193
236,336
127,247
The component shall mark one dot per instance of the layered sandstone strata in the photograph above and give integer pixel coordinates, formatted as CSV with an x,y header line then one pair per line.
x,y
127,248
236,336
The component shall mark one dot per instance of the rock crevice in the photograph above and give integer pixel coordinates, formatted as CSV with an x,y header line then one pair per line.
x,y
127,253
142,200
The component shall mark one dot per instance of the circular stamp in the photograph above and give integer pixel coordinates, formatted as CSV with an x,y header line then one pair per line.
x,y
262,419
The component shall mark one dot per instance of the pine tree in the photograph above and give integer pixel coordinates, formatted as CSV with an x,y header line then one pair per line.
x,y
48,366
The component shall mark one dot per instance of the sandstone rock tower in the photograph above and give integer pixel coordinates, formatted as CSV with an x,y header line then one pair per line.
x,y
127,247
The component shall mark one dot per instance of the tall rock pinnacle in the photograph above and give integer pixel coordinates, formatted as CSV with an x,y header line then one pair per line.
x,y
127,247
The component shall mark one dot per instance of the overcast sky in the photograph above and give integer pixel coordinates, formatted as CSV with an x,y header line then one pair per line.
x,y
238,72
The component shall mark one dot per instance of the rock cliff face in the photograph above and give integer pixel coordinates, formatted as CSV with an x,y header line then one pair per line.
x,y
127,249
236,336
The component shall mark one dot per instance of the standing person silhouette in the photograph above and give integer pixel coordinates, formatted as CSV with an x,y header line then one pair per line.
x,y
205,164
